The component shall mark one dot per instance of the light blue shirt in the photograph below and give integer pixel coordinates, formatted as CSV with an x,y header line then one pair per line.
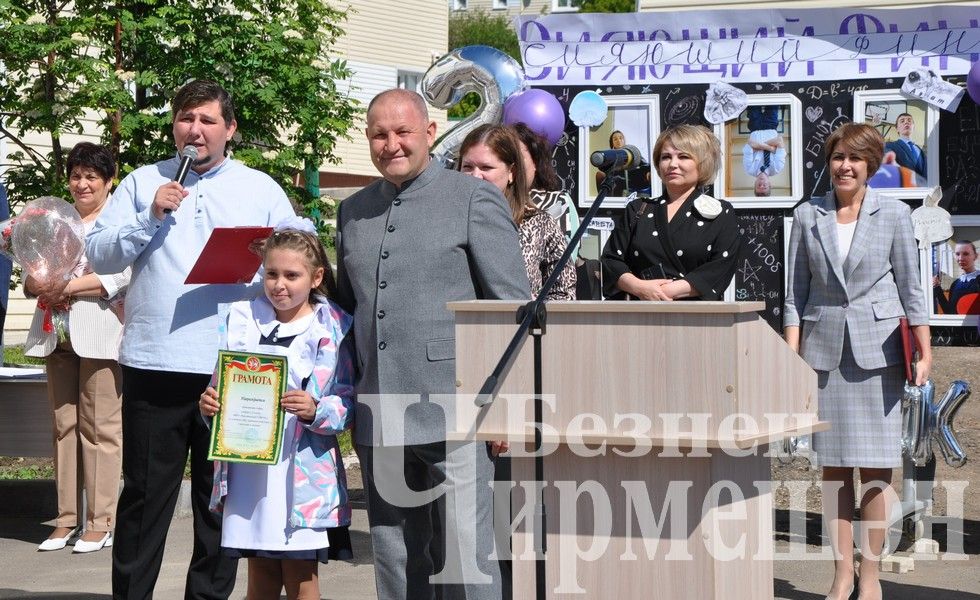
x,y
170,326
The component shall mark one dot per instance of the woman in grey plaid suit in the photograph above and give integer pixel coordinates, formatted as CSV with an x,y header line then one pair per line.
x,y
853,273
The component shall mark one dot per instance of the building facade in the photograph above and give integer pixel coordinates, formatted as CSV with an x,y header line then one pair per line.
x,y
515,7
387,44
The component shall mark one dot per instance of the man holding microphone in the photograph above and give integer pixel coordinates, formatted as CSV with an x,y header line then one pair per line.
x,y
159,227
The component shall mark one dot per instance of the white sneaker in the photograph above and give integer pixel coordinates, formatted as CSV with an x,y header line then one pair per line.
x,y
82,547
56,543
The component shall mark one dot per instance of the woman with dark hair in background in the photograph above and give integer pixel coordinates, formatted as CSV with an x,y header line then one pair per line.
x,y
544,187
492,153
84,382
547,194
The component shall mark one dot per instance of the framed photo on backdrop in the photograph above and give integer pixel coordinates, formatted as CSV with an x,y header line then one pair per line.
x,y
911,132
632,121
761,153
952,272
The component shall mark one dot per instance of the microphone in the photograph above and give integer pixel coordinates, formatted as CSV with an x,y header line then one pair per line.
x,y
617,160
187,156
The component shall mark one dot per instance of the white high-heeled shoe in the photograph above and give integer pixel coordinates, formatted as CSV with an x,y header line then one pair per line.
x,y
57,543
82,547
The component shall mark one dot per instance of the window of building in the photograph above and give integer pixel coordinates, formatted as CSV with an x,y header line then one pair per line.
x,y
565,5
409,80
499,4
458,4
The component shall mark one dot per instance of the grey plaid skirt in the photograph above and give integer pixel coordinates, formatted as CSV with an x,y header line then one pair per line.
x,y
864,410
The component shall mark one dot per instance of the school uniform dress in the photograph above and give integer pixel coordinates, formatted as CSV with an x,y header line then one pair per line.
x,y
848,287
262,515
702,250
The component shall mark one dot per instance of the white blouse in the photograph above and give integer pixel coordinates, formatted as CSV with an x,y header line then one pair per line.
x,y
845,236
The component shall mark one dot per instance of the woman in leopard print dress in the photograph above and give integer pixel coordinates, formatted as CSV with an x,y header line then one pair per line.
x,y
492,153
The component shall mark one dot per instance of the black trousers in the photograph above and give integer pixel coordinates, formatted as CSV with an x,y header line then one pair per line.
x,y
161,422
502,472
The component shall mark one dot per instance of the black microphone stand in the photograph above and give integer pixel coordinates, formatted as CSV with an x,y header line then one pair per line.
x,y
532,318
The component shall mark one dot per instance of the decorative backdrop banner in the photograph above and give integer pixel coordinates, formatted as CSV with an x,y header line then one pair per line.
x,y
747,45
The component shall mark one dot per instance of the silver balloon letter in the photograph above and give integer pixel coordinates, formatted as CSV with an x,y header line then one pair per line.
x,y
489,72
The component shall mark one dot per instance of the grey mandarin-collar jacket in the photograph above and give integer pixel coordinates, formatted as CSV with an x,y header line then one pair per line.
x,y
401,256
863,295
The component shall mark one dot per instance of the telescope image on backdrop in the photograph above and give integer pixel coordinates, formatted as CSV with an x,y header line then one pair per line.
x,y
622,142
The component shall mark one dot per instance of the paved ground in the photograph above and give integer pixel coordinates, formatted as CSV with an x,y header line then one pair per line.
x,y
27,574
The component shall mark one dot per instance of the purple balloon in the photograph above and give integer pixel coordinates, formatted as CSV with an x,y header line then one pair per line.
x,y
973,82
887,176
539,110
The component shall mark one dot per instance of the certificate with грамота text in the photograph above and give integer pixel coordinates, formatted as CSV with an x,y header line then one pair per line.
x,y
248,426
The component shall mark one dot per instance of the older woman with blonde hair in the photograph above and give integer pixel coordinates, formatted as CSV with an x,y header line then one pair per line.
x,y
684,244
853,273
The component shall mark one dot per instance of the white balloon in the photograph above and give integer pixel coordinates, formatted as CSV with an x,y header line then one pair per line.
x,y
46,238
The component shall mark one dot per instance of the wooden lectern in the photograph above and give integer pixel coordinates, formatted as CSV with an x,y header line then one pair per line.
x,y
656,425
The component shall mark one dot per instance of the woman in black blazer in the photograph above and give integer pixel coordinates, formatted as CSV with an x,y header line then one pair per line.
x,y
683,245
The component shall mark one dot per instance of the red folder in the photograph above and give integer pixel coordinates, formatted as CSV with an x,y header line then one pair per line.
x,y
226,257
908,348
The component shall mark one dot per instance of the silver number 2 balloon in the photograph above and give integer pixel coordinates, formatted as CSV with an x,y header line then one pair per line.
x,y
489,72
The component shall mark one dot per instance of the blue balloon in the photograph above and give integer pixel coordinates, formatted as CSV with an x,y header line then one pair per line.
x,y
588,109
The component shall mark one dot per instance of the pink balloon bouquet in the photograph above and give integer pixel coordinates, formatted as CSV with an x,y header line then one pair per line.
x,y
47,239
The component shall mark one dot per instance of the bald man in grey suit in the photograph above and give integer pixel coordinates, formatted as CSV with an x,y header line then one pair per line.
x,y
407,244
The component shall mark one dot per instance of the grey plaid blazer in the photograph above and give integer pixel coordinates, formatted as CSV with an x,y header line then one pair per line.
x,y
877,283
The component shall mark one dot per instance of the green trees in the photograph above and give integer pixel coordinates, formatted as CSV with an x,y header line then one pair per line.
x,y
481,28
120,63
608,6
478,28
